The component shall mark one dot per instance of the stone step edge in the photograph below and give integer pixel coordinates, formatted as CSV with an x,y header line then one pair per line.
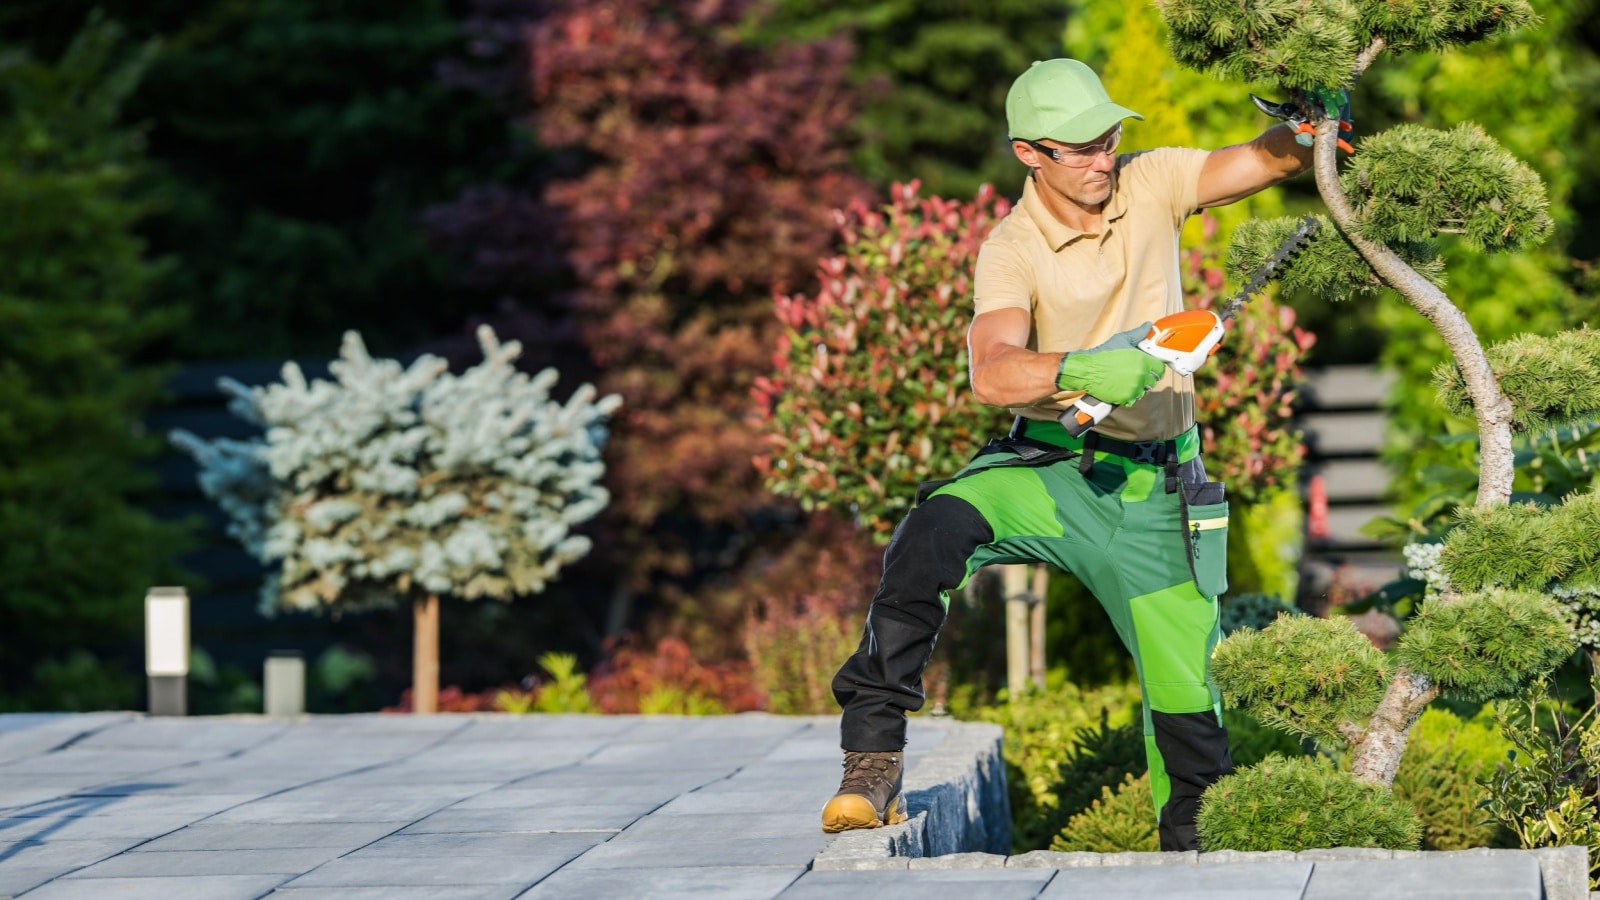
x,y
956,802
1564,871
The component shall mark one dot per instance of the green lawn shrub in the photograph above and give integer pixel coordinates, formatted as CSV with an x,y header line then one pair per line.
x,y
1302,803
1042,737
1441,784
1252,610
1544,791
1122,820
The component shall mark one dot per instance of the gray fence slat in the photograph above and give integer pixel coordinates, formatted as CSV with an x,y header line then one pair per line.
x,y
1345,387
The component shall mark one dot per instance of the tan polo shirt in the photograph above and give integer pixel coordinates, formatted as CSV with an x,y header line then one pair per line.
x,y
1081,288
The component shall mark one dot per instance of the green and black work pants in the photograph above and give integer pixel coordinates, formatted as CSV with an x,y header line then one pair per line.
x,y
1141,527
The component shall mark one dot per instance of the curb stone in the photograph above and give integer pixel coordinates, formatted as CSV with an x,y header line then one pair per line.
x,y
1053,859
956,799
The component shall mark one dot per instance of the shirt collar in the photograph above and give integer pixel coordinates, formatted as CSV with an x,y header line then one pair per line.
x,y
1058,234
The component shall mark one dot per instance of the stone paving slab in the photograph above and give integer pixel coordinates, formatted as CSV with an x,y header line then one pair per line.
x,y
437,892
698,883
513,869
291,861
1256,881
175,887
90,827
989,884
1456,878
483,845
495,806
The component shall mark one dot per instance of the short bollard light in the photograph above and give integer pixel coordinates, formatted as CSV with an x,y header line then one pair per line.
x,y
166,650
285,679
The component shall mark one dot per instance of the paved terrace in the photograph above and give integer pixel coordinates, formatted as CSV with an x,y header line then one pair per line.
x,y
119,805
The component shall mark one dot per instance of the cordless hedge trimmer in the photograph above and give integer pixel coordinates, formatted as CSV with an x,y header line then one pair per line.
x,y
1187,339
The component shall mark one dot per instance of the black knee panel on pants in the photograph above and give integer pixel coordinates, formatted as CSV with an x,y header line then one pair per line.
x,y
882,680
1194,749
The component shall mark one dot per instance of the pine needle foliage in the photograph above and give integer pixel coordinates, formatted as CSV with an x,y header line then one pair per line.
x,y
1297,43
1099,760
1411,183
1576,525
1503,545
1328,266
1301,803
1551,380
1441,784
1317,678
1417,25
394,481
1488,644
1310,43
1122,820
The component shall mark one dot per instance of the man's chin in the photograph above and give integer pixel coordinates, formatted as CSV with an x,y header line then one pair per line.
x,y
1095,197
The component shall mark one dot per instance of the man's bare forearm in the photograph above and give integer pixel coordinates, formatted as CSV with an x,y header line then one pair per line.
x,y
1014,376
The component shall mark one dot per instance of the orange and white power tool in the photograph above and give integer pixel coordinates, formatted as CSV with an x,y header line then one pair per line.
x,y
1187,339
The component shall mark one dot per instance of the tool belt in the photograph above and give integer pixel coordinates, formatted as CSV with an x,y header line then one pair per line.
x,y
1033,451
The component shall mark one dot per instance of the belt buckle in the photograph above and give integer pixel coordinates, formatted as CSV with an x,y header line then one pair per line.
x,y
1149,452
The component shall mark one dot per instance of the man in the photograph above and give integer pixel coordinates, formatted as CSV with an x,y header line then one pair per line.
x,y
1065,287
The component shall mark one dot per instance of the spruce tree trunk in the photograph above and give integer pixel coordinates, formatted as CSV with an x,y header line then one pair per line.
x,y
425,655
1376,754
1036,632
1014,579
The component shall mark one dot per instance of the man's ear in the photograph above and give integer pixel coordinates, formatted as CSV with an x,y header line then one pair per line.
x,y
1026,154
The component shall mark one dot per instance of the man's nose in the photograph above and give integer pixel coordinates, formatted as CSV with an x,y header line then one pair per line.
x,y
1104,162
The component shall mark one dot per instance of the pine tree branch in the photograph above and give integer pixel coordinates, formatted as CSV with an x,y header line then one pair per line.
x,y
1366,57
1377,757
1494,411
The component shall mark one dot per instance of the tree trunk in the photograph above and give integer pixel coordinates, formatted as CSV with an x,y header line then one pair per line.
x,y
1594,674
1377,752
1493,410
1036,643
1014,579
425,655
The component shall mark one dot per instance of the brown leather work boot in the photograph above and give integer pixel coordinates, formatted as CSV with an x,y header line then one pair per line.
x,y
869,795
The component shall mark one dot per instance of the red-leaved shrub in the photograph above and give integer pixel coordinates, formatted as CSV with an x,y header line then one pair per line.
x,y
695,169
868,393
452,699
807,620
668,679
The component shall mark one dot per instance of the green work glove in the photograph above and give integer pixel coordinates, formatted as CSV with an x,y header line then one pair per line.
x,y
1116,371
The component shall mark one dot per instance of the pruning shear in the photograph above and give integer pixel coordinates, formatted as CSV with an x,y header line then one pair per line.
x,y
1333,105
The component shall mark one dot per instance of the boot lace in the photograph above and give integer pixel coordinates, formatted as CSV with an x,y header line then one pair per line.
x,y
863,771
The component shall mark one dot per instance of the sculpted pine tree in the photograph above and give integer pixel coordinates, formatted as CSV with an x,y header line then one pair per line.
x,y
397,483
1400,193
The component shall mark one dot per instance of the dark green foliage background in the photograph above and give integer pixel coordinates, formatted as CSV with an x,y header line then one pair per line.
x,y
295,145
936,76
77,304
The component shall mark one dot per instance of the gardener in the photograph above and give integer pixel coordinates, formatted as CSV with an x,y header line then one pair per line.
x,y
1065,286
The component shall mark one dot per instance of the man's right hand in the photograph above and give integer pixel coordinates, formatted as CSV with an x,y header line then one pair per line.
x,y
1116,371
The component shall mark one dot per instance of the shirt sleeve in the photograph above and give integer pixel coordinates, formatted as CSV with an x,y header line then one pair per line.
x,y
1175,172
1001,280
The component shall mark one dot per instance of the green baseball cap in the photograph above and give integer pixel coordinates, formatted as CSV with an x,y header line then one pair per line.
x,y
1063,100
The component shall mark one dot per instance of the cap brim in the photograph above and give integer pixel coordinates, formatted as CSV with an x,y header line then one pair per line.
x,y
1091,123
